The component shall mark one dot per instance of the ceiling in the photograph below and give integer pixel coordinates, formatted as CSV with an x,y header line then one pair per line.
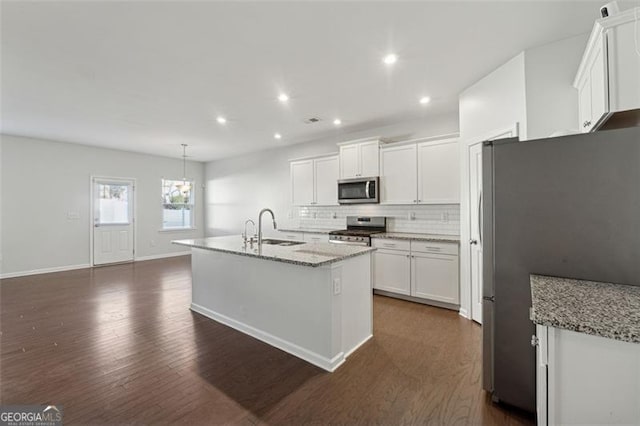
x,y
147,76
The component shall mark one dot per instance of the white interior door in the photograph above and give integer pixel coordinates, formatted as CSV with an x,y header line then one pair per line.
x,y
113,224
475,221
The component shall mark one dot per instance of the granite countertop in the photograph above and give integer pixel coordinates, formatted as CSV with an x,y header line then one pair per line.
x,y
306,254
419,237
310,230
602,309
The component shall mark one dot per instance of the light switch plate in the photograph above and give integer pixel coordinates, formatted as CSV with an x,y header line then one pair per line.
x,y
73,215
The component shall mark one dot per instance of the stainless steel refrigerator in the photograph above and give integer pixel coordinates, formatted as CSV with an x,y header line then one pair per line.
x,y
566,206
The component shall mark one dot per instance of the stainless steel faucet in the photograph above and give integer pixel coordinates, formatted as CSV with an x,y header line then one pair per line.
x,y
260,223
245,236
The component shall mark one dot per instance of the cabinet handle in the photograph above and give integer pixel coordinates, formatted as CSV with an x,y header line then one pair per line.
x,y
419,201
415,201
388,245
433,248
408,256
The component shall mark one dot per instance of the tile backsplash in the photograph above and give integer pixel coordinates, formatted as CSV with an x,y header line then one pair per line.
x,y
424,219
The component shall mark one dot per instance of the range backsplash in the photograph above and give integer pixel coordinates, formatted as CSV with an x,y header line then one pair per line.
x,y
427,219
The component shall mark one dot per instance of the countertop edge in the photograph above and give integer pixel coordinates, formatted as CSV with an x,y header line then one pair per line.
x,y
277,259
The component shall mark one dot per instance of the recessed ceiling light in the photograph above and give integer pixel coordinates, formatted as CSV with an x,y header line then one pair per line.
x,y
337,122
390,59
283,97
221,120
277,136
425,100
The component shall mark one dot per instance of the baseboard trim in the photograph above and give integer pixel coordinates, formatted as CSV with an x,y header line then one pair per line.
x,y
162,256
291,348
356,347
420,300
86,265
463,313
44,271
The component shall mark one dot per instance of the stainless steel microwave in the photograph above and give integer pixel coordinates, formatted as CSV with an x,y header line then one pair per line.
x,y
359,190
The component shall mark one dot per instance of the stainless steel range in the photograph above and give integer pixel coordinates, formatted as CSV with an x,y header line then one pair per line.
x,y
359,230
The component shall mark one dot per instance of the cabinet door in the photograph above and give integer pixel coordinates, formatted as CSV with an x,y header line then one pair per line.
x,y
369,159
392,271
584,99
435,277
398,175
439,172
541,375
302,182
599,86
326,181
349,161
316,238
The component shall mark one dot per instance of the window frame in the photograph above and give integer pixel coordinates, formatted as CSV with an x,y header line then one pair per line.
x,y
192,203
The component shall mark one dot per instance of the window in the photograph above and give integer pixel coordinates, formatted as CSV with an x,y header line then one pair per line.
x,y
113,204
177,204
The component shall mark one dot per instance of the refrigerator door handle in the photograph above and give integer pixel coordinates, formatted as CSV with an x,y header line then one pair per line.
x,y
480,217
489,298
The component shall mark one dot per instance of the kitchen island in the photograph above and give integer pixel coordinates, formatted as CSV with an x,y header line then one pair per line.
x,y
312,300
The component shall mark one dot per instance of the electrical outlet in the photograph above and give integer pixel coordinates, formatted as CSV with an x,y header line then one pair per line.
x,y
411,216
337,286
334,215
152,243
243,311
444,217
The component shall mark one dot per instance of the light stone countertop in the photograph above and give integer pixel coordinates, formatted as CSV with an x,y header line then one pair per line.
x,y
306,254
601,309
419,237
308,230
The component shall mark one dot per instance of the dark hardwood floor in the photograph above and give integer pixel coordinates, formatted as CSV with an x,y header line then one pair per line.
x,y
118,345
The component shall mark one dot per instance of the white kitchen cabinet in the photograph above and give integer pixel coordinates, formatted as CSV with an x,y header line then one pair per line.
x,y
607,79
314,181
424,270
592,88
293,236
392,271
302,191
312,237
426,171
586,379
359,159
435,277
326,181
439,172
398,174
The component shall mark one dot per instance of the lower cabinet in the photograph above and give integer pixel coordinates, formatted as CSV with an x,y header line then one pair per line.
x,y
586,379
392,271
315,238
417,269
435,277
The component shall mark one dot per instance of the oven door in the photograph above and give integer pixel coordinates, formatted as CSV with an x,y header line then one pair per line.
x,y
358,191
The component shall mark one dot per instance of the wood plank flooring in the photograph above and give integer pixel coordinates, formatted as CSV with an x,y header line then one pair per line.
x,y
119,345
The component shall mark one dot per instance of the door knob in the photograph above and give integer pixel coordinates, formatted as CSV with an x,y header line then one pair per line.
x,y
473,242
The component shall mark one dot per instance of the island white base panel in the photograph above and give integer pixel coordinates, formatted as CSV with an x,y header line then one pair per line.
x,y
320,314
584,379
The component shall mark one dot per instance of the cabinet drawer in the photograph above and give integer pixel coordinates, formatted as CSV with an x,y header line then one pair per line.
x,y
316,238
293,236
388,244
434,247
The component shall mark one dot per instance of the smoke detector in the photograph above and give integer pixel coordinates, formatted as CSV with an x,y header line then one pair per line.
x,y
312,120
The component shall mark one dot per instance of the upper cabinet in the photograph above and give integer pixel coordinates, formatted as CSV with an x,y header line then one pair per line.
x,y
359,159
398,174
420,172
439,172
607,80
314,181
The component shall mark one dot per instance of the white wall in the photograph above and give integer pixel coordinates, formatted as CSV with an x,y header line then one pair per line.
x,y
495,102
237,188
552,101
43,180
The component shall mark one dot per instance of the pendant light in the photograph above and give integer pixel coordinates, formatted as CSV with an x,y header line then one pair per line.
x,y
186,186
